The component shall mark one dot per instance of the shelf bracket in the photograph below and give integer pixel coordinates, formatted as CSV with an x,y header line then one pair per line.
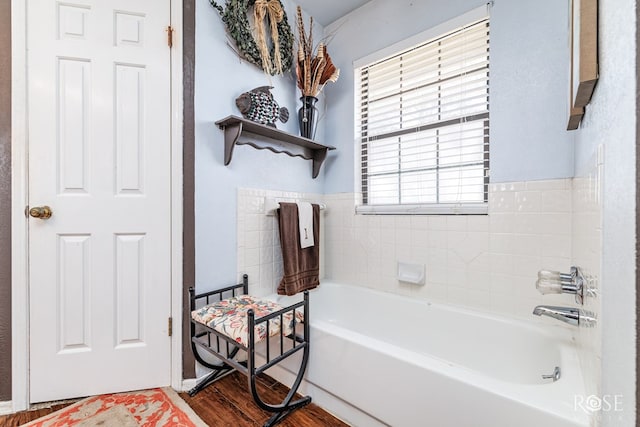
x,y
232,133
318,158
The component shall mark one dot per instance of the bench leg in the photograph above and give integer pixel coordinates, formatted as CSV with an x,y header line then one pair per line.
x,y
217,372
288,405
279,416
211,377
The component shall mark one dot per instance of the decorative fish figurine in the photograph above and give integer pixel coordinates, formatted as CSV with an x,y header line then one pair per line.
x,y
259,106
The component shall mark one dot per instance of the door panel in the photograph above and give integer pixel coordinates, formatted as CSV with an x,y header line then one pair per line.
x,y
99,155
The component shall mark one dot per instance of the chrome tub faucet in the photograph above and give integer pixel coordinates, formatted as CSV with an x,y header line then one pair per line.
x,y
570,315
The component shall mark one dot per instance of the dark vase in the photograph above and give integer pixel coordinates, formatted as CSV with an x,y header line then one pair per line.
x,y
308,116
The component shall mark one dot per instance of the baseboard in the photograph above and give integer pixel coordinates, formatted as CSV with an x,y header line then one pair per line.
x,y
6,408
188,384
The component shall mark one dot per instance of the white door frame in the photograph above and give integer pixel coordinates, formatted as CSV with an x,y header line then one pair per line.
x,y
20,193
177,119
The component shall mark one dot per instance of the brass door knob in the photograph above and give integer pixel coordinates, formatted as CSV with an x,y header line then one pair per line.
x,y
42,212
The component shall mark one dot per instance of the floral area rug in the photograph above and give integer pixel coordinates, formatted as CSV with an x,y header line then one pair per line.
x,y
148,408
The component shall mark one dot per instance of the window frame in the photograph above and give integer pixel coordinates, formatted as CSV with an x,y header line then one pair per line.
x,y
435,33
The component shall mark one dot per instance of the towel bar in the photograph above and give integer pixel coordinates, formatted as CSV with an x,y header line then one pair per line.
x,y
272,205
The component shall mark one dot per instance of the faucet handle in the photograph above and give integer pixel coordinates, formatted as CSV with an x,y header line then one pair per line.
x,y
555,282
548,286
556,276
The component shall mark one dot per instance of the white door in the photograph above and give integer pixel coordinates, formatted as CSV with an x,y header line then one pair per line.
x,y
99,156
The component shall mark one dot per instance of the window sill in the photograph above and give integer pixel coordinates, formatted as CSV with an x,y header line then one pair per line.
x,y
425,209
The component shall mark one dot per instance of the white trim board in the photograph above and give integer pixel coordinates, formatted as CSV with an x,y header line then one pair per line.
x,y
19,192
177,112
188,384
6,408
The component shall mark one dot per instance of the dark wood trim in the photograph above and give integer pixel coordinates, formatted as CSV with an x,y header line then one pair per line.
x,y
585,75
5,201
637,217
188,237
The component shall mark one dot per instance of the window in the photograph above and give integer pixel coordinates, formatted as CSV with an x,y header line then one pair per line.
x,y
423,126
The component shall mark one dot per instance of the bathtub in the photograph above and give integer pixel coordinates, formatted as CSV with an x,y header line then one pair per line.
x,y
398,361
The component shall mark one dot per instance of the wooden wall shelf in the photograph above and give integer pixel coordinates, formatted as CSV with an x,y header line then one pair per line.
x,y
239,131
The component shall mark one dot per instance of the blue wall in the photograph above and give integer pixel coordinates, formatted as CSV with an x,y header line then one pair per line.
x,y
530,90
220,77
529,75
610,121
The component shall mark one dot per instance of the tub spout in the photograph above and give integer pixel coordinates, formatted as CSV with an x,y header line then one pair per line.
x,y
572,316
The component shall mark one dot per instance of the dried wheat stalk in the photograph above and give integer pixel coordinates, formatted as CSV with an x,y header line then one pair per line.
x,y
313,71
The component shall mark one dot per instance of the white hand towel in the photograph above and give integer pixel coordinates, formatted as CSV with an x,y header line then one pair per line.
x,y
305,219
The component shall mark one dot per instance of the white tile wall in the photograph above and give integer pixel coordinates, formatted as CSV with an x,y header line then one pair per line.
x,y
488,262
259,253
485,262
587,253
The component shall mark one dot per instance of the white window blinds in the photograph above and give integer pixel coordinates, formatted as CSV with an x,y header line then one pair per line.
x,y
424,126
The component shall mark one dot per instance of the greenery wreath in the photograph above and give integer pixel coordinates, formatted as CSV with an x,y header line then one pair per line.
x,y
236,20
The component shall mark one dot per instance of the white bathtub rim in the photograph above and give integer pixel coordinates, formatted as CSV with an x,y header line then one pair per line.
x,y
561,335
555,330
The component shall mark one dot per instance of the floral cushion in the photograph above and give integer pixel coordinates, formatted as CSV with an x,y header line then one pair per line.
x,y
229,317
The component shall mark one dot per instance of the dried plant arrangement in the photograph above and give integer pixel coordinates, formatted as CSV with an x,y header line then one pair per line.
x,y
252,44
314,68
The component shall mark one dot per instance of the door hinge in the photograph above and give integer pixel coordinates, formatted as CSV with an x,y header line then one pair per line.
x,y
170,36
170,326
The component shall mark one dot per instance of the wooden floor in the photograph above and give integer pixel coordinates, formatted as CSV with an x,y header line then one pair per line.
x,y
229,403
24,417
224,403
